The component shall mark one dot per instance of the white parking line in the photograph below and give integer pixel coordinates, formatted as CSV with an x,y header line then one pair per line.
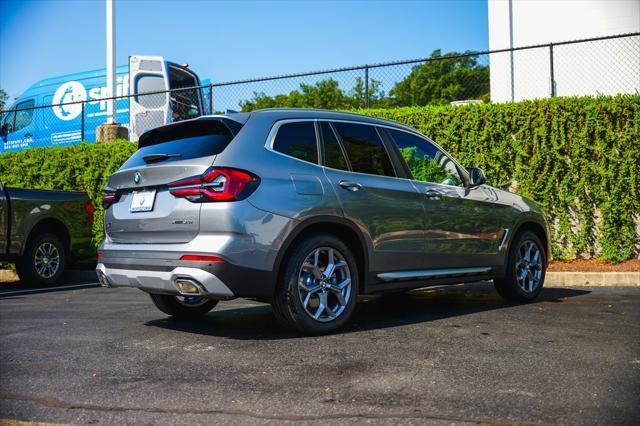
x,y
39,290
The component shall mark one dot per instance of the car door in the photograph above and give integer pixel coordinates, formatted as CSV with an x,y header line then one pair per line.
x,y
373,194
462,226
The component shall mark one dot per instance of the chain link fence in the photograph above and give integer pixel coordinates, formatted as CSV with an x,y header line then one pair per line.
x,y
597,66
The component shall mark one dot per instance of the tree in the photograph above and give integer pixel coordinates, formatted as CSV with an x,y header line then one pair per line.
x,y
325,94
440,81
3,99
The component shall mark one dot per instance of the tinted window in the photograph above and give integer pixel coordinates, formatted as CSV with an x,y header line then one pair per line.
x,y
24,115
365,149
333,155
298,140
426,162
195,139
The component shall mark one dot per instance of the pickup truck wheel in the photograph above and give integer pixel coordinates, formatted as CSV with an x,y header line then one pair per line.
x,y
185,307
318,288
526,267
43,260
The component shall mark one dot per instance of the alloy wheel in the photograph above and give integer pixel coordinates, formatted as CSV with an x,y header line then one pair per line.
x,y
324,284
46,260
529,266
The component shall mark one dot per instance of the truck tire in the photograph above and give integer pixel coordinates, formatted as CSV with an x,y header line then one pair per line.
x,y
43,260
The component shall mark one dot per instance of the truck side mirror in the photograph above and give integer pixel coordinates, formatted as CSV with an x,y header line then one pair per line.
x,y
476,177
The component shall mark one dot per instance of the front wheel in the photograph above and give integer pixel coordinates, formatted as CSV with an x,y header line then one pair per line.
x,y
318,289
526,267
187,307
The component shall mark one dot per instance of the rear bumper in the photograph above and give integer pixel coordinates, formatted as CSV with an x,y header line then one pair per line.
x,y
218,280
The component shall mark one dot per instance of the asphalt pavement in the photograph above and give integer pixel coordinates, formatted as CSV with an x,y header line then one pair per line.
x,y
449,355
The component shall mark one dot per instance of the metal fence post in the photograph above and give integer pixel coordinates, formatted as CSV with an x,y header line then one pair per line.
x,y
210,98
551,71
366,86
82,123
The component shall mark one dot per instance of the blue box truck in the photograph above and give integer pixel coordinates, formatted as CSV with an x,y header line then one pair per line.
x,y
66,110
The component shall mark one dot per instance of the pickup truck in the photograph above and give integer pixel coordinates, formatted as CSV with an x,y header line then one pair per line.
x,y
43,232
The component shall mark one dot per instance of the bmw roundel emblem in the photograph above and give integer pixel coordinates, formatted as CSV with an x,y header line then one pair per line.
x,y
137,177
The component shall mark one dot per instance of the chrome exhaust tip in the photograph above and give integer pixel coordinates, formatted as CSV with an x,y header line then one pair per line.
x,y
104,280
189,287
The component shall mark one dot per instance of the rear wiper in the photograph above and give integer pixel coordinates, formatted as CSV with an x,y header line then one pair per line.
x,y
154,158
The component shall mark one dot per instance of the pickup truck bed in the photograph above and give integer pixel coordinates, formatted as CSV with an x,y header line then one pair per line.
x,y
43,231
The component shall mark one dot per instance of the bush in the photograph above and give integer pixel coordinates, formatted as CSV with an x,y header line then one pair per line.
x,y
579,158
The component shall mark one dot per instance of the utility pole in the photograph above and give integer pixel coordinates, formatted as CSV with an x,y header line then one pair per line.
x,y
110,130
111,54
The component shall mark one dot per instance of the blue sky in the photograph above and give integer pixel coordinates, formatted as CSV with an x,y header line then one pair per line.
x,y
230,40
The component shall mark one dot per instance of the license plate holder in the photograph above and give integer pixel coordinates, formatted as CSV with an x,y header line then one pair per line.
x,y
142,201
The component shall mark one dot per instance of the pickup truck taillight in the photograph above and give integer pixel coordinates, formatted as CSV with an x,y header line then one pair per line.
x,y
88,208
216,184
109,197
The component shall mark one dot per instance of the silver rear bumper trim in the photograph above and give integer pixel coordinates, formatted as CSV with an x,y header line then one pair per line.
x,y
163,281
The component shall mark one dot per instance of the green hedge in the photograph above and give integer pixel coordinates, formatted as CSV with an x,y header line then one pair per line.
x,y
578,157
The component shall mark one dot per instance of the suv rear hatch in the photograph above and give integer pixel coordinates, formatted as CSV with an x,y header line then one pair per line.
x,y
138,205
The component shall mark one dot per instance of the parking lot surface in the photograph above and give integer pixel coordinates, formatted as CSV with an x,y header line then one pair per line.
x,y
446,355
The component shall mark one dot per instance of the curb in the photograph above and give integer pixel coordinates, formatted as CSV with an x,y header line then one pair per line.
x,y
592,279
556,279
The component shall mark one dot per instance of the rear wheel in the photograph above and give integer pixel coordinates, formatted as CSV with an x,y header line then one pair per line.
x,y
187,307
319,285
43,260
526,267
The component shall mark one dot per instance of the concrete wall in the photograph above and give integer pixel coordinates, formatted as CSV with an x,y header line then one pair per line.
x,y
602,67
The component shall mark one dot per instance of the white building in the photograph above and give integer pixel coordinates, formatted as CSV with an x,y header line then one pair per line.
x,y
604,67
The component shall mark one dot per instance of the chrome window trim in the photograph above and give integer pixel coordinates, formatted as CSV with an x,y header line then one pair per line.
x,y
274,129
271,138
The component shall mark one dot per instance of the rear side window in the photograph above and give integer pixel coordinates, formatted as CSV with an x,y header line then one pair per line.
x,y
298,140
365,149
333,155
183,141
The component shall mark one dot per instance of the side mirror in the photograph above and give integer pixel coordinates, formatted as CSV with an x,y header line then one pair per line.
x,y
476,177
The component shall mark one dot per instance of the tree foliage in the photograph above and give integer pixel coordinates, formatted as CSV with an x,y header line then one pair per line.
x,y
4,97
435,82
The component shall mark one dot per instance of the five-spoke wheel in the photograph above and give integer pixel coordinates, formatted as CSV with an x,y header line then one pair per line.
x,y
525,271
319,285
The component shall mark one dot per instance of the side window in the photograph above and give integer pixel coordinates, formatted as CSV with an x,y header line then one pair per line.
x,y
298,140
365,149
426,162
150,83
7,120
24,114
333,155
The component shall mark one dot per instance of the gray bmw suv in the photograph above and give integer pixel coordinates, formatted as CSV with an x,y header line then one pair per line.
x,y
306,209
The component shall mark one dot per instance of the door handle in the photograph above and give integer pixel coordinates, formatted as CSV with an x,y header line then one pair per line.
x,y
350,186
432,194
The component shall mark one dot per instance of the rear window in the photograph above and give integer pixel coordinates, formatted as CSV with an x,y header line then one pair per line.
x,y
193,139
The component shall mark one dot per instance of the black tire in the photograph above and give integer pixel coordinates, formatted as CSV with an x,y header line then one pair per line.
x,y
508,287
42,271
287,302
170,305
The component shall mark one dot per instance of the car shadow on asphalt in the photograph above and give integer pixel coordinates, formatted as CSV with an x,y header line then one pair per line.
x,y
70,280
372,312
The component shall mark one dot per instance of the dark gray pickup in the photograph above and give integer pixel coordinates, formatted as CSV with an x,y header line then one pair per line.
x,y
43,232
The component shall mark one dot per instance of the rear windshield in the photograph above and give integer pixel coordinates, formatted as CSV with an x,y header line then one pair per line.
x,y
183,141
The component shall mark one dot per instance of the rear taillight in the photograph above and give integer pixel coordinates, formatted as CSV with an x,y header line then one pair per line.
x,y
216,184
109,197
88,208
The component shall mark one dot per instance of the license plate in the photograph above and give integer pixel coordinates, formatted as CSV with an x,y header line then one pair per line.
x,y
142,201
